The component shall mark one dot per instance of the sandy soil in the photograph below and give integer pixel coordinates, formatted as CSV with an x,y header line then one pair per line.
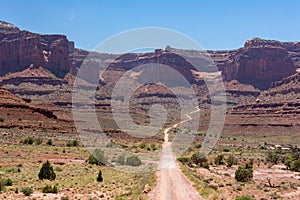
x,y
172,184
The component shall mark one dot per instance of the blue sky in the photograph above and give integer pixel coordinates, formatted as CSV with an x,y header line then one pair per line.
x,y
213,24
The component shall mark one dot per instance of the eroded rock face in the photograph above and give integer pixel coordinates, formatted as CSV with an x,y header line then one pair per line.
x,y
153,68
259,62
20,49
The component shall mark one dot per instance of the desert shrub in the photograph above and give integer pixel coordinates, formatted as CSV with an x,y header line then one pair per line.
x,y
58,169
121,159
73,143
244,174
2,185
219,159
28,140
249,165
205,165
99,177
133,161
295,154
38,141
2,119
69,144
183,160
273,157
97,158
8,182
50,189
49,142
199,160
59,163
143,145
231,160
27,191
244,197
295,165
153,147
47,172
292,160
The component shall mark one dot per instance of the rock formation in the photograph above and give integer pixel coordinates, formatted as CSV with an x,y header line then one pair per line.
x,y
260,62
20,49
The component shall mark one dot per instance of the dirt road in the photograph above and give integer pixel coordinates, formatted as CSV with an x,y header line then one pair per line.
x,y
172,183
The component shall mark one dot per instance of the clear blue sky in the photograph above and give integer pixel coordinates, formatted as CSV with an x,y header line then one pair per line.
x,y
214,24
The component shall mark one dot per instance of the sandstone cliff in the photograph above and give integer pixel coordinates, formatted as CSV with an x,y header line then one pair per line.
x,y
259,62
20,49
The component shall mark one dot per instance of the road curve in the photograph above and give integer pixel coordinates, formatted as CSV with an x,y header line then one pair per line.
x,y
172,183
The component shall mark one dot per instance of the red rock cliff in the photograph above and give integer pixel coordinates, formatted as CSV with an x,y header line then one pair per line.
x,y
259,61
19,49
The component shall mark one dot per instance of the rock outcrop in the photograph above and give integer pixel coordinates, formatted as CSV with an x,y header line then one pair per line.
x,y
8,100
20,49
260,63
154,67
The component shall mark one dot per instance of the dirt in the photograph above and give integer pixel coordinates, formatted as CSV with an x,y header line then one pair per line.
x,y
172,183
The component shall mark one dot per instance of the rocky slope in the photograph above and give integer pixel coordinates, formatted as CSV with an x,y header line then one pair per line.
x,y
259,62
260,77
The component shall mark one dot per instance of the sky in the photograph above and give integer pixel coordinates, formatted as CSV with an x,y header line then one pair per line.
x,y
214,24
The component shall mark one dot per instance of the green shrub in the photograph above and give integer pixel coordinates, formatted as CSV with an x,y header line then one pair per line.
x,y
231,160
99,177
8,182
121,159
47,172
2,185
143,145
205,165
28,140
244,197
49,142
75,143
69,144
273,157
50,189
58,169
97,158
38,141
27,191
219,160
133,161
249,165
199,160
243,174
183,160
295,165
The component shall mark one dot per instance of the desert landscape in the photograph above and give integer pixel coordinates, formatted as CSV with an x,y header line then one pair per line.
x,y
50,149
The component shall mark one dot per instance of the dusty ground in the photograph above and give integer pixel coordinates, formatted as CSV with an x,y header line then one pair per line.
x,y
172,183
